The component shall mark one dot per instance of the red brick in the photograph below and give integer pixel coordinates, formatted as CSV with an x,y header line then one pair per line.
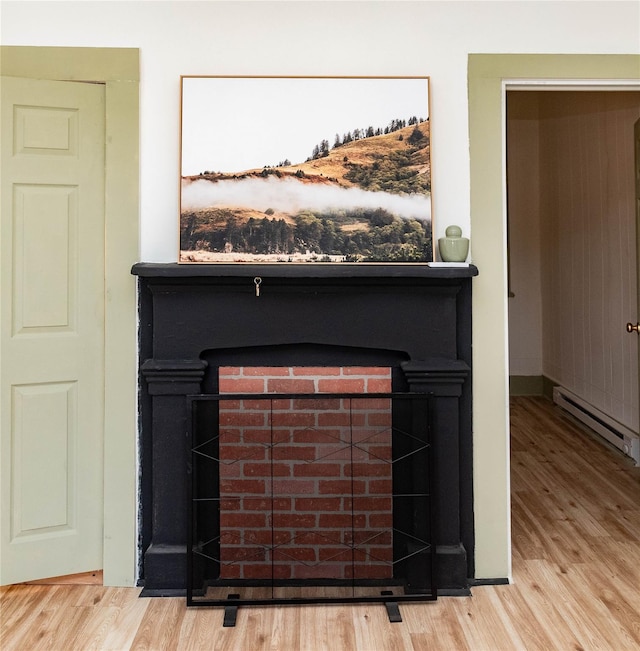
x,y
281,536
372,538
319,539
317,469
243,418
313,435
266,537
293,419
256,571
228,553
229,468
230,453
371,404
294,520
320,571
381,520
281,503
258,537
256,405
370,504
316,370
230,537
368,436
242,519
230,571
289,554
241,486
380,451
372,469
379,419
317,504
282,571
378,386
341,385
292,385
257,436
228,435
335,554
241,385
256,503
381,554
229,370
367,370
381,486
231,504
283,487
333,418
335,520
266,469
340,487
266,370
293,452
282,404
229,405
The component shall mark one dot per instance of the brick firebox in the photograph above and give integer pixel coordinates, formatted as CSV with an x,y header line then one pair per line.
x,y
305,484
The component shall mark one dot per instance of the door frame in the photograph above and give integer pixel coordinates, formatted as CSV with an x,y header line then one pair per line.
x,y
488,76
118,70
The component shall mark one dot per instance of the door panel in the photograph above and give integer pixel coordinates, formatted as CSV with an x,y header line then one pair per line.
x,y
45,234
43,465
52,328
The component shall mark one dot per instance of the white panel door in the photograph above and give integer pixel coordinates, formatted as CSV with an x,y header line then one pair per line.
x,y
51,328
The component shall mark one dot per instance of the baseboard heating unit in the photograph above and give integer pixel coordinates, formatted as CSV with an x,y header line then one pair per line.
x,y
617,434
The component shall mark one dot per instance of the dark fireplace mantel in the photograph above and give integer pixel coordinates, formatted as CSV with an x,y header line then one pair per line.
x,y
194,318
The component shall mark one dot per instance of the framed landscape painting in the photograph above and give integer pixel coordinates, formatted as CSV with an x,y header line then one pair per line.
x,y
305,170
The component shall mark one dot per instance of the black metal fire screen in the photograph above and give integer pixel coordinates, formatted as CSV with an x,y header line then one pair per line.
x,y
310,498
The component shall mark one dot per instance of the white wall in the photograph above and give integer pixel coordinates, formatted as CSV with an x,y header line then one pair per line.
x,y
335,38
588,247
313,38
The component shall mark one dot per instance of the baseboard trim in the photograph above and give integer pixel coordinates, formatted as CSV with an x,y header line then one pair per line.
x,y
474,583
526,385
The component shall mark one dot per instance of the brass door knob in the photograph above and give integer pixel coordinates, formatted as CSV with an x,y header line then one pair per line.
x,y
633,328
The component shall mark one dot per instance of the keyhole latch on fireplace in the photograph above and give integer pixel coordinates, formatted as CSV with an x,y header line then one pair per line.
x,y
257,281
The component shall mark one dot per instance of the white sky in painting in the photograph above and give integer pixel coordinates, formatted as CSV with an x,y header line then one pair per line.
x,y
235,124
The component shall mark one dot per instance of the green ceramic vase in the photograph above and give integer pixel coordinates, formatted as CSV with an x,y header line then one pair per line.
x,y
453,247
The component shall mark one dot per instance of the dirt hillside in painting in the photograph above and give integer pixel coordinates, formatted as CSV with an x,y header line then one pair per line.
x,y
337,167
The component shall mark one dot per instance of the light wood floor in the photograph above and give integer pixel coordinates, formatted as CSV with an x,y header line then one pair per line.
x,y
576,558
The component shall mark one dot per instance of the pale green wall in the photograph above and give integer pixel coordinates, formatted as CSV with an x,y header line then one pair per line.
x,y
487,75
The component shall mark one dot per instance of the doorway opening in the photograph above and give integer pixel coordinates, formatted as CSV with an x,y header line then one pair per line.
x,y
571,227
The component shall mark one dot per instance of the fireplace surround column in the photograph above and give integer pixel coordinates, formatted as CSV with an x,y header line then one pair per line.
x,y
169,382
444,380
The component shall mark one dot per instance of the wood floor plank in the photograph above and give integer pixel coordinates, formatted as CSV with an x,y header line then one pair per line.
x,y
132,611
160,627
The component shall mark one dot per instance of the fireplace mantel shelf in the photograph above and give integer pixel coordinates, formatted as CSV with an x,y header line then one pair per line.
x,y
302,271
